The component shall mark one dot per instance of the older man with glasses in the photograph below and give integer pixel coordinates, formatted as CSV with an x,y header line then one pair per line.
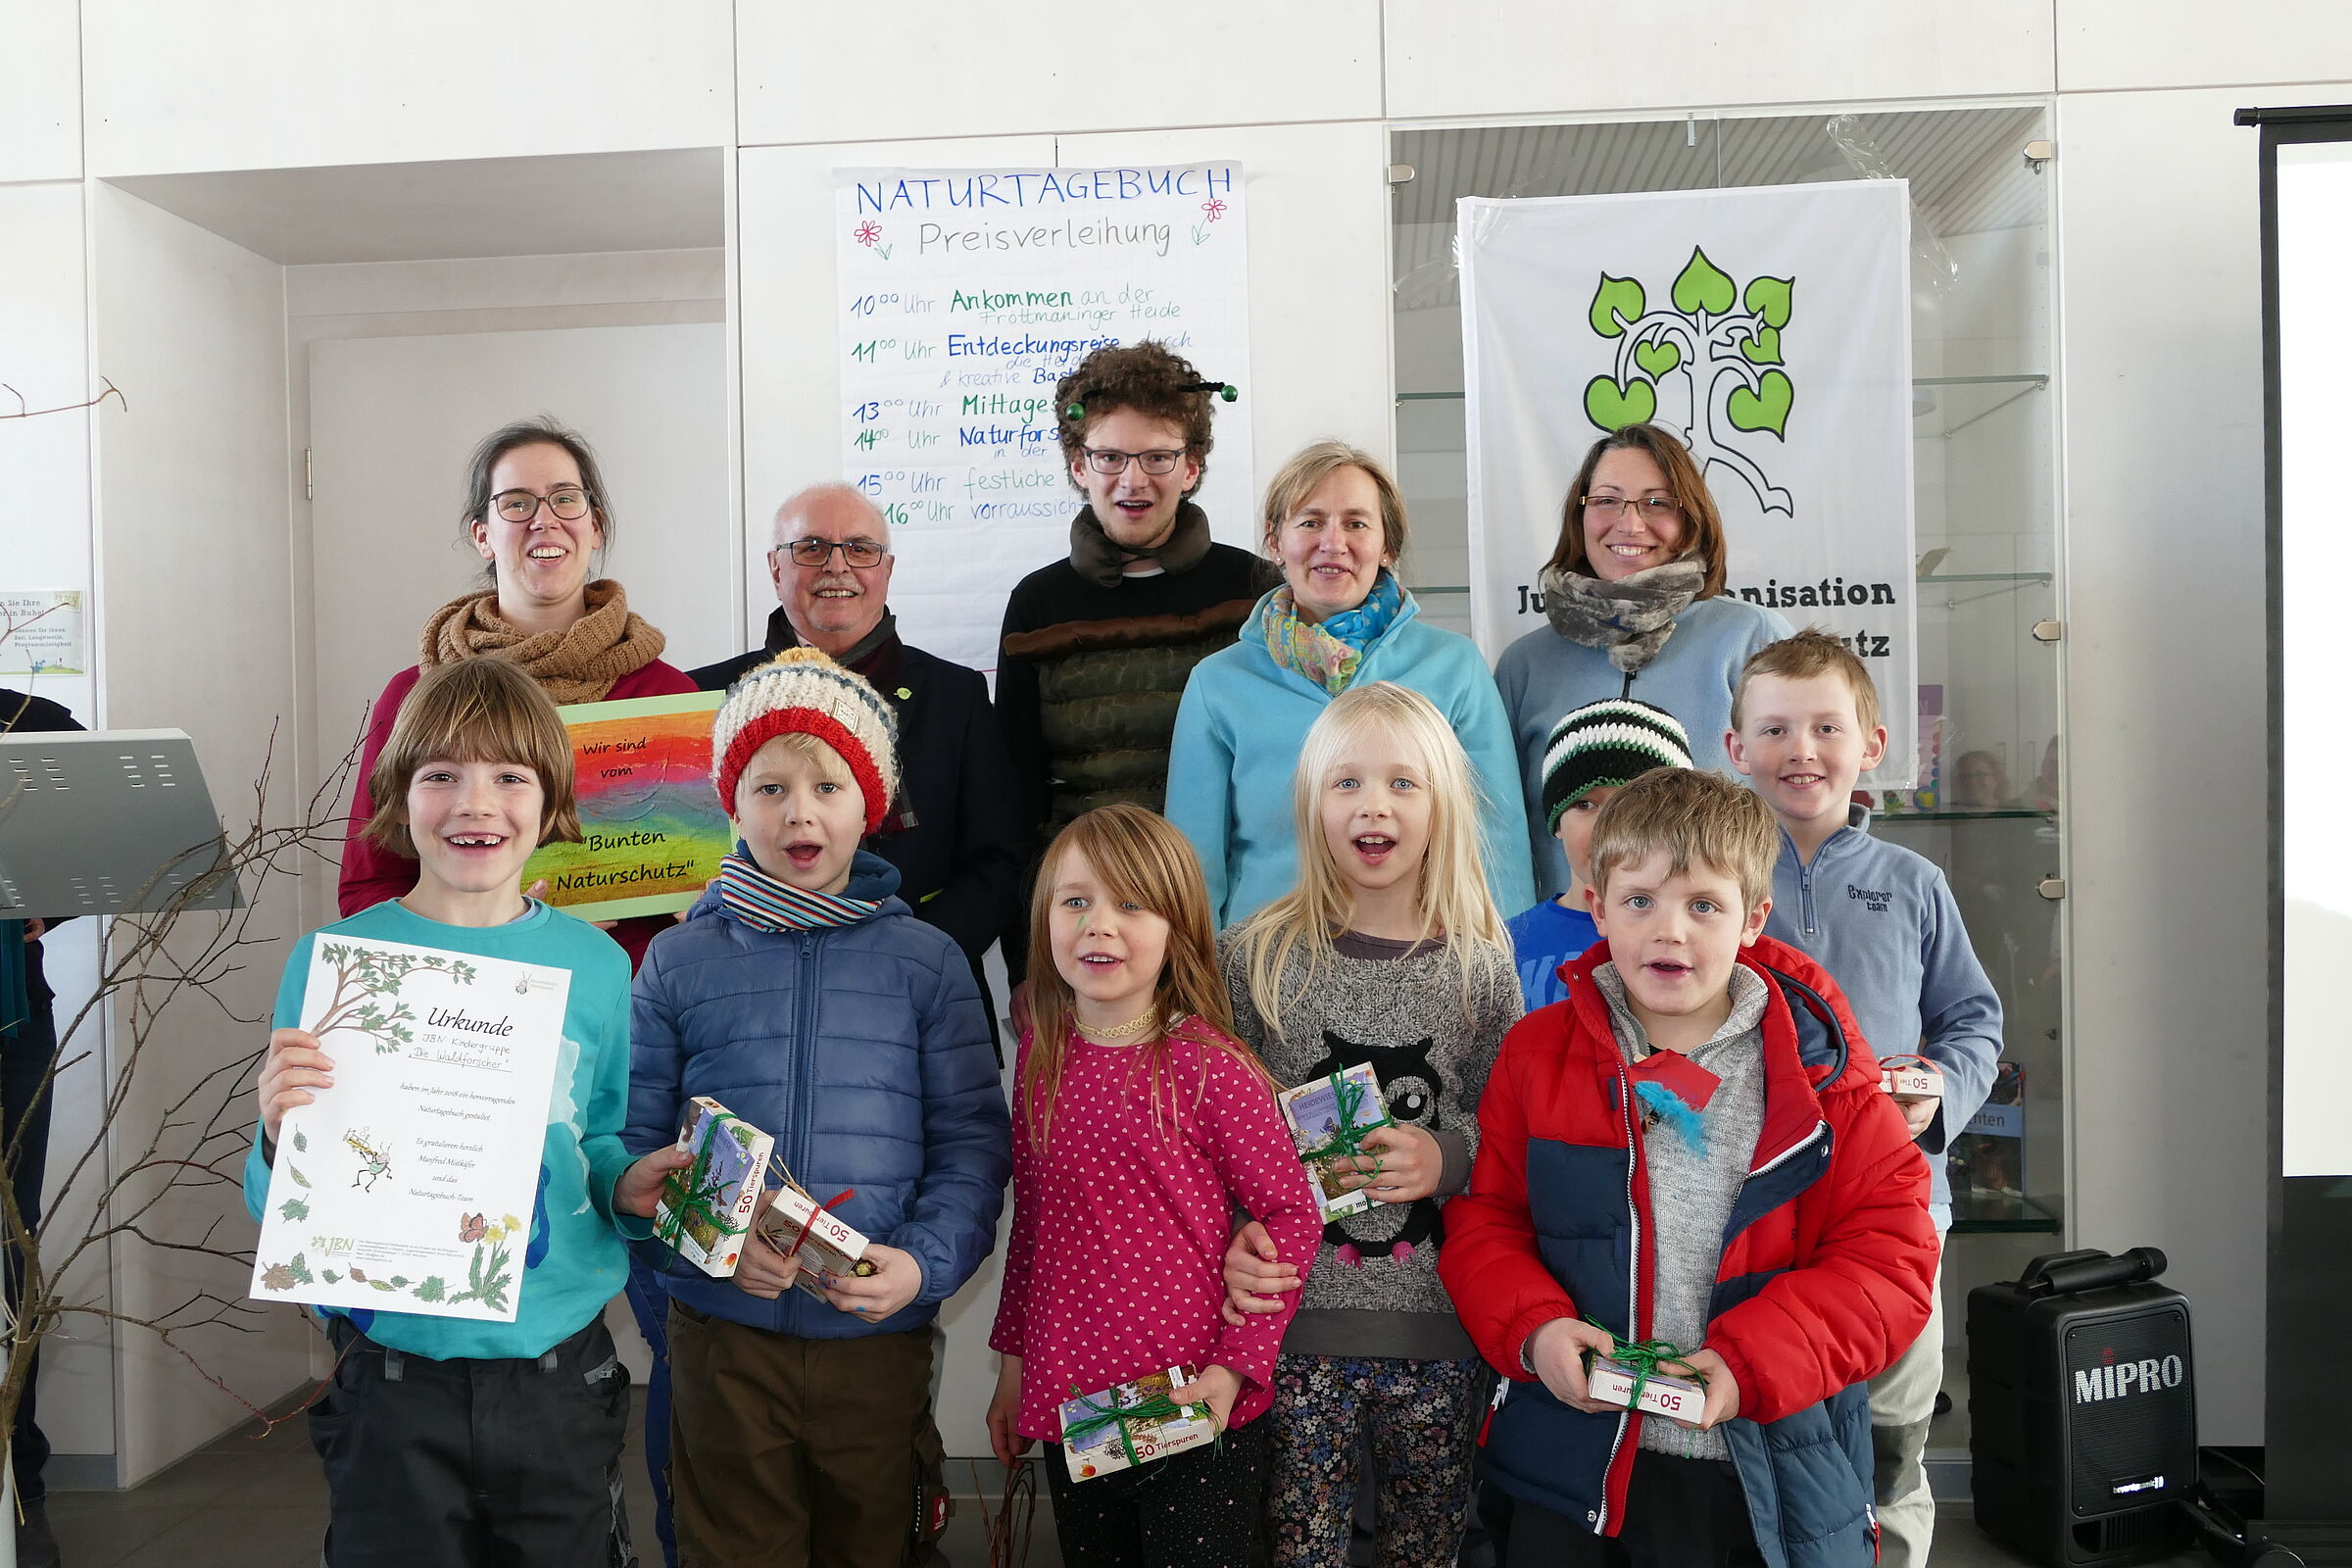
x,y
957,832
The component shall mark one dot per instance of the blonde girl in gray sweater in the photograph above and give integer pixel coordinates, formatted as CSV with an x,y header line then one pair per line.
x,y
1389,952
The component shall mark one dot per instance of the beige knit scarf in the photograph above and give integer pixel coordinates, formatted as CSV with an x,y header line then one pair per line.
x,y
578,665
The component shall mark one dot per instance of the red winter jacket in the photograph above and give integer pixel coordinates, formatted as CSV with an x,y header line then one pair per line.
x,y
1827,1267
372,875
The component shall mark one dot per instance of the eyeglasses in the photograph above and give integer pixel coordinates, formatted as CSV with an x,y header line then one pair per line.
x,y
568,502
1105,460
858,552
1613,507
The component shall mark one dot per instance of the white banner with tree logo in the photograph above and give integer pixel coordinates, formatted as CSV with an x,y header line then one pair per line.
x,y
1769,328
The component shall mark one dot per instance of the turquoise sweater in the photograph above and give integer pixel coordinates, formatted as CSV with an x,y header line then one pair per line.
x,y
1237,735
574,1261
1544,675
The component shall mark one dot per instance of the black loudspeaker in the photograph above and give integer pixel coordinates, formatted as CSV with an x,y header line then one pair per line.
x,y
2083,1410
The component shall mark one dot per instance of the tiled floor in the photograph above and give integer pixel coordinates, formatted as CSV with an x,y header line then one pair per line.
x,y
259,1502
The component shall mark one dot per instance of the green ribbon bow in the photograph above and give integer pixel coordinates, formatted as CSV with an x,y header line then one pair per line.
x,y
697,1199
1101,1418
1646,1357
1347,1141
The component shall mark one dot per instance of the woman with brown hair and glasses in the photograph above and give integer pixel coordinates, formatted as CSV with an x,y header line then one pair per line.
x,y
1634,595
536,511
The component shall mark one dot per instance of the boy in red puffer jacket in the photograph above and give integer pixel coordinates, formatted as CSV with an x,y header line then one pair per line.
x,y
1692,1147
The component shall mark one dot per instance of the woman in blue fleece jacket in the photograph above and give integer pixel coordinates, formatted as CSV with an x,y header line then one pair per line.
x,y
1635,594
1335,524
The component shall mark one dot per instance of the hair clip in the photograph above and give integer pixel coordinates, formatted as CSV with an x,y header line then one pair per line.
x,y
1225,390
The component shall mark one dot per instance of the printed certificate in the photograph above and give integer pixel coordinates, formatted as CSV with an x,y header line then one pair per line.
x,y
407,1187
652,828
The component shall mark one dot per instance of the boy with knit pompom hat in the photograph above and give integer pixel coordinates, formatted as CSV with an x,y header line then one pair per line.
x,y
804,997
1594,751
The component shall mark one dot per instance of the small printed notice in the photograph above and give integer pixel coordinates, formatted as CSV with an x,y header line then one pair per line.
x,y
41,633
653,829
407,1185
965,296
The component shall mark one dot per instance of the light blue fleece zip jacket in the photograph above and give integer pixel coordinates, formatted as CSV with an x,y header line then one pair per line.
x,y
1544,675
1243,719
1881,920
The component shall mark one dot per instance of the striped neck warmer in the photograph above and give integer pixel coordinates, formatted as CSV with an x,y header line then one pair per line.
x,y
766,903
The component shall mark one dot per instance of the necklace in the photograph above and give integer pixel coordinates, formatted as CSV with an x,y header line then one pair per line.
x,y
1136,1025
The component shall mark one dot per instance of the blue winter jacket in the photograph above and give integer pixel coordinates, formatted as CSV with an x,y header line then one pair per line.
x,y
864,1049
1883,920
1245,716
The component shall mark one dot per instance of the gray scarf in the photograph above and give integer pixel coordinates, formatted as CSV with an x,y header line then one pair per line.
x,y
1629,619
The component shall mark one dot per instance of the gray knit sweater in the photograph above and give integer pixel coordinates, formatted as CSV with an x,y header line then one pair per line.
x,y
1693,1183
1374,1290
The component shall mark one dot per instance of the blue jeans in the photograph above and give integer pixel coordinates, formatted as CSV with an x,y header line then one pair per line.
x,y
24,1058
649,1303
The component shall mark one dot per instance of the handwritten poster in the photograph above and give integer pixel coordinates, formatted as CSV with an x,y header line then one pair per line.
x,y
408,1184
653,829
965,296
41,633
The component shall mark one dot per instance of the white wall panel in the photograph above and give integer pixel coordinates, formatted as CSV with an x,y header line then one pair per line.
x,y
944,68
2162,339
2108,44
292,84
40,90
197,635
1513,57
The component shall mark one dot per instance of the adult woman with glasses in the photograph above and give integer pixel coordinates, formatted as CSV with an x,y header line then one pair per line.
x,y
1335,524
1635,597
536,511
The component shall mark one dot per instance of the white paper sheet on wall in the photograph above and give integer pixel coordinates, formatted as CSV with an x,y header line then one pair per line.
x,y
965,296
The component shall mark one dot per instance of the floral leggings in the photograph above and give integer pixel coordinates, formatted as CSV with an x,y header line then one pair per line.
x,y
1423,1417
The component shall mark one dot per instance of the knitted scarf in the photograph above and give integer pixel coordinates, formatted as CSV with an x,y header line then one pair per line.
x,y
1102,560
766,903
578,665
1629,619
1328,652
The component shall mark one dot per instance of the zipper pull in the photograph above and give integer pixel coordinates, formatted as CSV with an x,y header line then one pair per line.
x,y
1503,1392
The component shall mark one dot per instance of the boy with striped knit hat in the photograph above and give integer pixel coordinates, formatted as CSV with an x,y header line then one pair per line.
x,y
804,997
1594,751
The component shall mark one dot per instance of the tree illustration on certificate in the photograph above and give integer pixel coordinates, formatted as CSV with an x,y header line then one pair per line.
x,y
1709,367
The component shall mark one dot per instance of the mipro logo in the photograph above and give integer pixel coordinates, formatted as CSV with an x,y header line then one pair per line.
x,y
2113,1381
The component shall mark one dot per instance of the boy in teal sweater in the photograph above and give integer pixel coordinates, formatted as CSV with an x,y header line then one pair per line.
x,y
449,1440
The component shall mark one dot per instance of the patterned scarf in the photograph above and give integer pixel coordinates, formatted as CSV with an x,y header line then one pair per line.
x,y
1328,652
766,904
578,665
1629,619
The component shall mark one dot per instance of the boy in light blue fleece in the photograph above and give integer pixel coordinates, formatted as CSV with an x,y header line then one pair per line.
x,y
1594,751
1881,920
452,1441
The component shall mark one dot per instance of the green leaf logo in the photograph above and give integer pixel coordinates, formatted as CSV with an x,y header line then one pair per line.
x,y
1769,298
1618,302
1764,348
1703,286
1612,406
1657,359
1766,408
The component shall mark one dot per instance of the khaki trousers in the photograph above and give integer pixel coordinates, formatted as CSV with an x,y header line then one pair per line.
x,y
791,1451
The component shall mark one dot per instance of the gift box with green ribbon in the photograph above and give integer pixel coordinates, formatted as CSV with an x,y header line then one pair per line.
x,y
704,1209
1329,1119
1131,1423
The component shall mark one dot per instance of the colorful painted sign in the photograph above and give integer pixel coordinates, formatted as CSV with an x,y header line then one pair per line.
x,y
652,830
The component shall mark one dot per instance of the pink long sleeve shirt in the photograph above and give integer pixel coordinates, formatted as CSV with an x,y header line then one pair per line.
x,y
1119,1228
